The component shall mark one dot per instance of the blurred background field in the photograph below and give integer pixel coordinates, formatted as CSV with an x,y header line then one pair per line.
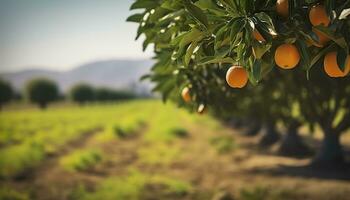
x,y
143,149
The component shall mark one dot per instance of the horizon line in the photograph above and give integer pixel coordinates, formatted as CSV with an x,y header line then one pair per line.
x,y
33,67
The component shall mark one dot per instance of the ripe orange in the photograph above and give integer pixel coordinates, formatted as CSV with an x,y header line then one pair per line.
x,y
282,8
186,96
287,56
258,36
318,16
236,77
331,66
322,37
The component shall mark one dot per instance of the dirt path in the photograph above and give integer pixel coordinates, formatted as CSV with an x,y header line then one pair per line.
x,y
50,181
48,176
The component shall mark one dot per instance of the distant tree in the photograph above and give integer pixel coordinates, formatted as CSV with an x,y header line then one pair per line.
x,y
6,93
41,91
82,93
103,94
106,94
123,95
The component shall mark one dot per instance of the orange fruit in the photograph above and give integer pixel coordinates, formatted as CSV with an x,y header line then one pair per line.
x,y
322,37
287,56
236,77
258,36
331,66
186,96
318,16
282,8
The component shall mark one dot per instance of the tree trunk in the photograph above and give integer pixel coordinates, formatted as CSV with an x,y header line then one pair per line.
x,y
235,123
42,106
293,145
270,136
254,129
331,153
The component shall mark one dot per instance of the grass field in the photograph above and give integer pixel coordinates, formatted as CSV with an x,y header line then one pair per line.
x,y
145,150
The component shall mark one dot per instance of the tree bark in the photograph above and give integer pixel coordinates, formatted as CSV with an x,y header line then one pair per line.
x,y
330,153
293,145
270,136
254,129
235,123
42,106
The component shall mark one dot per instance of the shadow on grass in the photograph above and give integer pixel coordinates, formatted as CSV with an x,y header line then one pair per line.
x,y
339,172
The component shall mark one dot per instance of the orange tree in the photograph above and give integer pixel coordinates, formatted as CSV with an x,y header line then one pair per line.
x,y
203,44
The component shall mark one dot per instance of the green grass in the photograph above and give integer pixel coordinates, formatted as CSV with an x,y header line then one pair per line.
x,y
18,158
159,153
28,136
81,160
132,187
172,186
164,125
223,144
266,193
10,194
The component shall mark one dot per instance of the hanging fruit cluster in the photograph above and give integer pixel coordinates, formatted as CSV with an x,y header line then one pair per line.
x,y
208,46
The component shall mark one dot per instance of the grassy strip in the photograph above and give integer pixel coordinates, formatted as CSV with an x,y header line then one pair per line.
x,y
10,194
19,158
54,129
223,144
81,160
133,187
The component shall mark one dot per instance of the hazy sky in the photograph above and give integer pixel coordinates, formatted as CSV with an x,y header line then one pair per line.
x,y
61,34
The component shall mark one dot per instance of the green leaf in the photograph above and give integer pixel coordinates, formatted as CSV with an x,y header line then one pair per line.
x,y
145,77
196,13
304,53
260,49
172,4
135,18
265,25
147,4
193,35
341,59
190,51
266,67
236,28
220,36
214,59
210,6
228,4
223,51
344,14
330,34
321,53
256,70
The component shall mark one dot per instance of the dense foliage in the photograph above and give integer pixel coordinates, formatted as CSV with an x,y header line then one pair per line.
x,y
42,91
196,43
82,93
106,94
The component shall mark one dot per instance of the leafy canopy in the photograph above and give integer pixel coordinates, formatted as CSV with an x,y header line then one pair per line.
x,y
192,34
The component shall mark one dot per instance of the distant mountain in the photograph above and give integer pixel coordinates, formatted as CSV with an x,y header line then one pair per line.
x,y
110,73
